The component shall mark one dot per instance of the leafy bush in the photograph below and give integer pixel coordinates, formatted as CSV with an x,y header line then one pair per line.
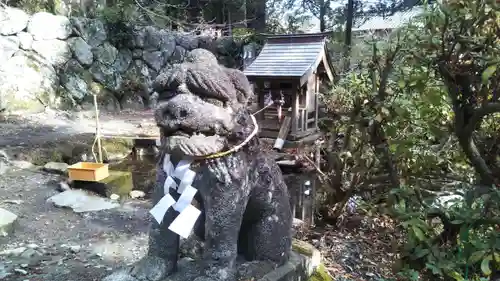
x,y
415,127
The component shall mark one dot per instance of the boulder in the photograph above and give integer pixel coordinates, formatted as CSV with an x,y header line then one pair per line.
x,y
25,40
139,74
123,60
56,168
105,53
12,20
152,38
137,54
55,52
7,220
105,98
47,26
74,78
9,45
106,75
4,162
178,55
168,43
134,194
188,41
153,59
81,50
133,102
27,83
91,30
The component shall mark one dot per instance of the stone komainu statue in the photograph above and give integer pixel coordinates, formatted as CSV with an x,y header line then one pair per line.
x,y
245,206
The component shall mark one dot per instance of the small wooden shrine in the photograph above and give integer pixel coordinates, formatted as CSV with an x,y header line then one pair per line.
x,y
291,68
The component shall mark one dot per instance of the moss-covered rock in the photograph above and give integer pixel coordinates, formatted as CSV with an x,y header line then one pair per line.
x,y
118,182
143,171
72,150
116,147
320,274
303,248
105,98
308,250
26,83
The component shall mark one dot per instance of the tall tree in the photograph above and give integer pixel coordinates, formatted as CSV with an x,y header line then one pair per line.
x,y
348,33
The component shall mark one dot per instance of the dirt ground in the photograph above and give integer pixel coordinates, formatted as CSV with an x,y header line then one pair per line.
x,y
66,245
51,243
57,244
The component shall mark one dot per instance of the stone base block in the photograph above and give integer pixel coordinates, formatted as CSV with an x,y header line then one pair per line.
x,y
294,270
118,182
312,254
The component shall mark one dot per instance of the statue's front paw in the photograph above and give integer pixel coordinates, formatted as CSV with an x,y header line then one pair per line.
x,y
150,268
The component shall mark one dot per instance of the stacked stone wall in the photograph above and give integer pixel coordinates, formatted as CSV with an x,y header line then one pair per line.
x,y
54,61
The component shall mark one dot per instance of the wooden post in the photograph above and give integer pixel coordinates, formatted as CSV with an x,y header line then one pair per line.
x,y
259,85
301,198
316,102
315,180
295,111
313,199
98,129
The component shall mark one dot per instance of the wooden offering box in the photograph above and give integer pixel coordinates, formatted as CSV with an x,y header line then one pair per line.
x,y
88,171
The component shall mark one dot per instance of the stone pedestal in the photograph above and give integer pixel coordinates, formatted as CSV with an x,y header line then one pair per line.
x,y
296,269
304,260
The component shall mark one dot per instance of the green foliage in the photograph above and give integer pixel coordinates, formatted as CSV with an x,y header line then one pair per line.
x,y
424,110
35,6
450,239
118,19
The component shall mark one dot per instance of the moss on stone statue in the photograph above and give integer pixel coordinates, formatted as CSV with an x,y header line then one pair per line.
x,y
303,248
320,274
306,249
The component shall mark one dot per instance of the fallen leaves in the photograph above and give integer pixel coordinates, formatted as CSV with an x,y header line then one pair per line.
x,y
360,253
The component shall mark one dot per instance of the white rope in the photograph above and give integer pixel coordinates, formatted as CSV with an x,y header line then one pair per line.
x,y
188,214
265,107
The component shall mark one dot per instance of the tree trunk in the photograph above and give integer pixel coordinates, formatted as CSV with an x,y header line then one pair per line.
x,y
348,34
194,11
322,15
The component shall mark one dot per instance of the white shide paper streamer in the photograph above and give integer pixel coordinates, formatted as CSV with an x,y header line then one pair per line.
x,y
184,222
